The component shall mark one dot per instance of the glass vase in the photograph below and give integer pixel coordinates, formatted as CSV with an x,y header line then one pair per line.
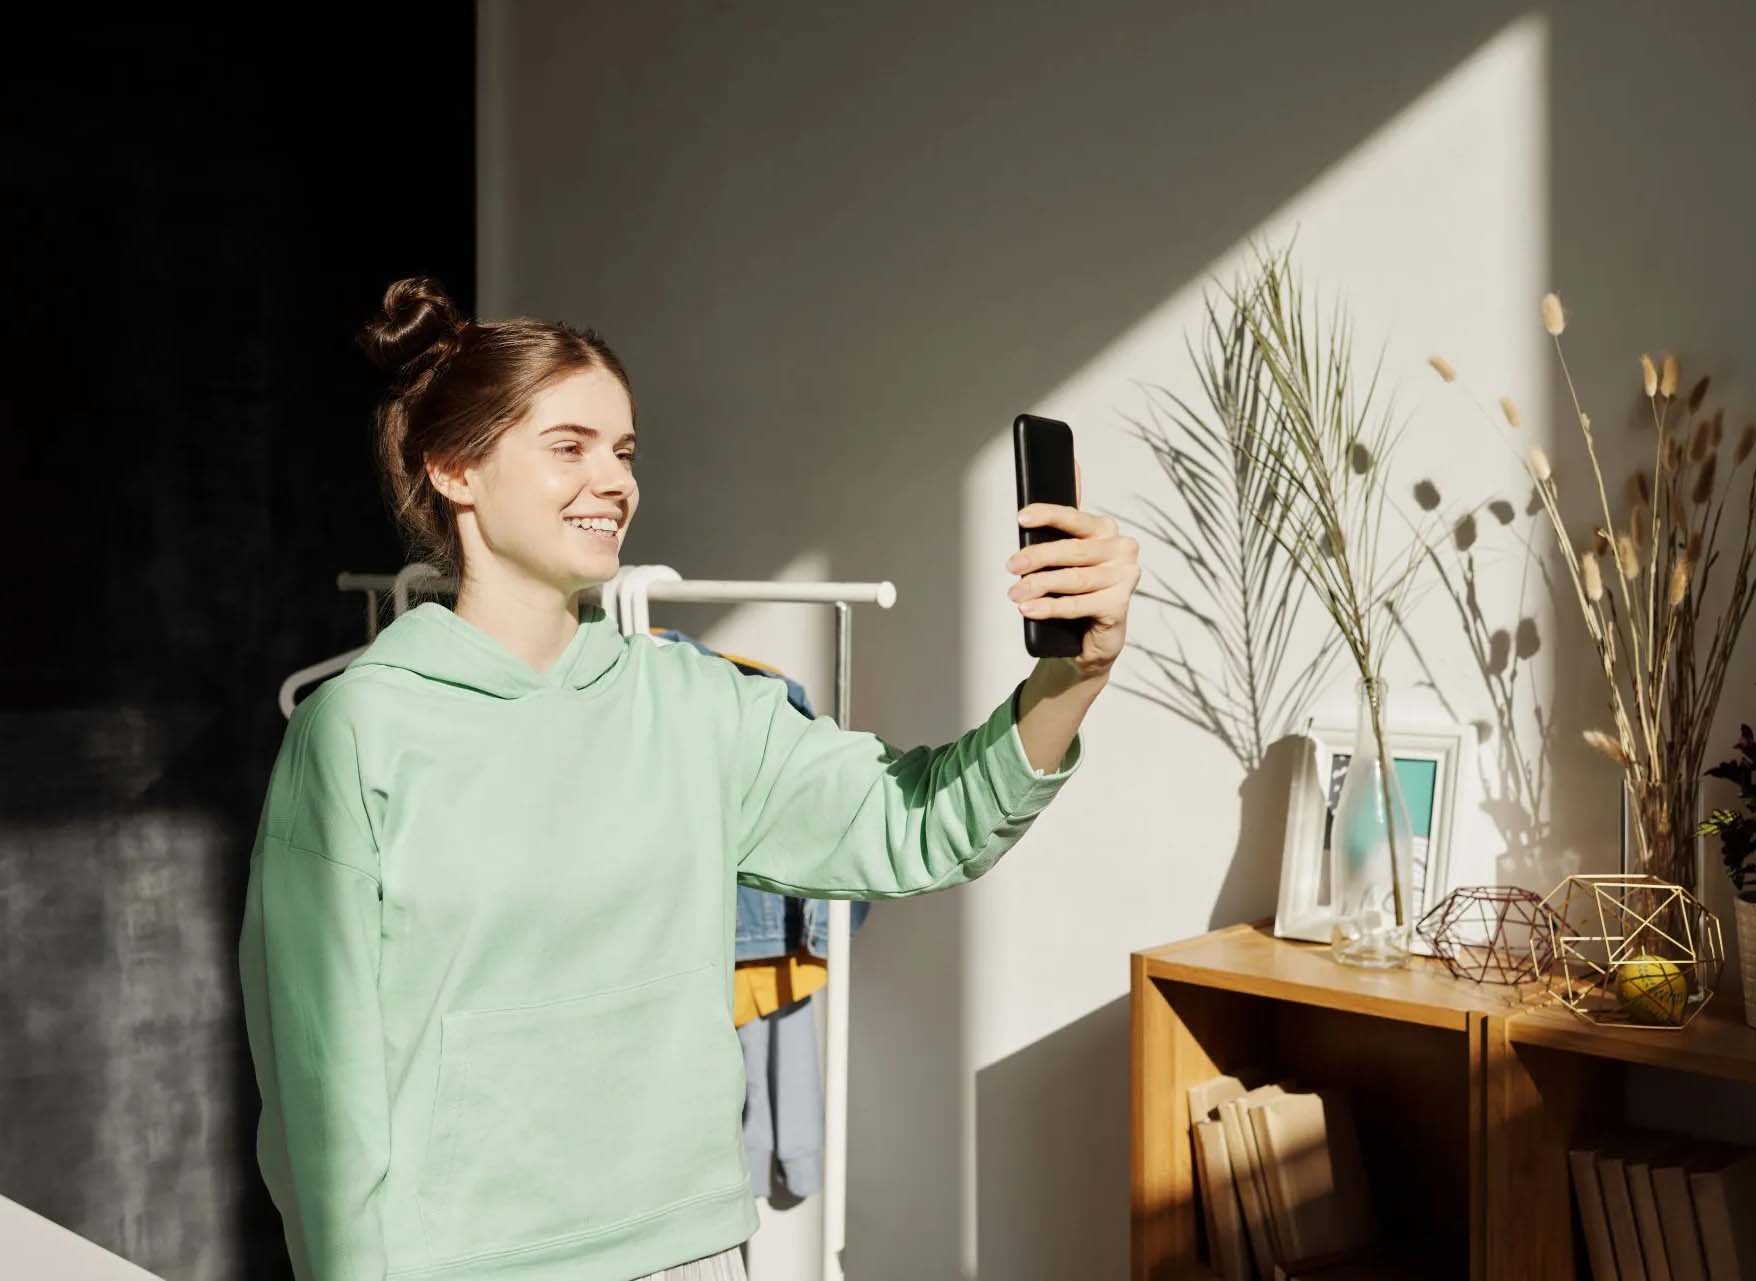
x,y
1371,849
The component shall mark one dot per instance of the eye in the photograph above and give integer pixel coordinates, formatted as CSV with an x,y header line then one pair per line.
x,y
632,455
571,445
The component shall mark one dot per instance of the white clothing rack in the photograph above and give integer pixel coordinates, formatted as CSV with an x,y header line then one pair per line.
x,y
396,584
625,598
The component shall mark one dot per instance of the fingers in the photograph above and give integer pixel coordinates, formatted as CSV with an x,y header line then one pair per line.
x,y
1107,603
1081,524
1081,580
1072,551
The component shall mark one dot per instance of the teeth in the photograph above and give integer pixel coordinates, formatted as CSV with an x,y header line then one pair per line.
x,y
604,523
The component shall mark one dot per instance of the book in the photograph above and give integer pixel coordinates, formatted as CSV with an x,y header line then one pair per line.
x,y
1204,1190
1724,1187
1281,1197
1624,1236
1206,1096
1638,1171
1204,1100
1229,1247
1676,1216
1592,1218
1316,1182
1276,1247
1245,1180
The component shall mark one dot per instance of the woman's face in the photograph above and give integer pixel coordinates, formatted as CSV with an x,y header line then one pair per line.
x,y
528,511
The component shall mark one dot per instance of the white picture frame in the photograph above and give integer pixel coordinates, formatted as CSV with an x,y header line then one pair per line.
x,y
1430,761
1302,911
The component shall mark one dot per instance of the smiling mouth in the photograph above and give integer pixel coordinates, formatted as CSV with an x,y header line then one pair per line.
x,y
588,531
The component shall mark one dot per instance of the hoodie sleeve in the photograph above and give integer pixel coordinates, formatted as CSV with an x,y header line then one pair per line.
x,y
826,812
308,958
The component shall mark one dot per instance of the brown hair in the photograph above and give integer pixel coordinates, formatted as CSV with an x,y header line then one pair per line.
x,y
457,386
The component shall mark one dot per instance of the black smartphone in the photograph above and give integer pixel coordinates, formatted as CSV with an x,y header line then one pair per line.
x,y
1042,459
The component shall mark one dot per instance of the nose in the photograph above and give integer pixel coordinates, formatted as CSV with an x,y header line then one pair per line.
x,y
613,482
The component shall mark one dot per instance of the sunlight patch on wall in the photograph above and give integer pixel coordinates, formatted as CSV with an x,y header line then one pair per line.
x,y
1436,230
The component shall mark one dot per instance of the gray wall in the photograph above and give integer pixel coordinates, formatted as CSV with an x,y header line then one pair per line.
x,y
841,247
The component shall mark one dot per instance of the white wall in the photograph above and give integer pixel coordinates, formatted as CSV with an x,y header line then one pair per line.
x,y
839,251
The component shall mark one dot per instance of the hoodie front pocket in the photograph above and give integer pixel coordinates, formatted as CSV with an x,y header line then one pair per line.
x,y
570,1118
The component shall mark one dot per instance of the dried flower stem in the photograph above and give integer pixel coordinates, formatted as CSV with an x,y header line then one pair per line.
x,y
1328,509
1606,632
1662,691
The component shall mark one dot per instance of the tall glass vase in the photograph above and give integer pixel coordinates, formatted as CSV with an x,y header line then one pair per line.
x,y
1371,847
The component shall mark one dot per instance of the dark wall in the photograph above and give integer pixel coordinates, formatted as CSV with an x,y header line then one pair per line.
x,y
197,217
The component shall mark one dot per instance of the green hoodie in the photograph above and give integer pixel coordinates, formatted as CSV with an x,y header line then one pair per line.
x,y
487,948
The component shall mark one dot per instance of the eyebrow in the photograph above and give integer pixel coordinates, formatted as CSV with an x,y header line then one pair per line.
x,y
593,432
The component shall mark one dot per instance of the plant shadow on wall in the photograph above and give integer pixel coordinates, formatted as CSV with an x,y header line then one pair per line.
x,y
1240,667
1235,593
1514,780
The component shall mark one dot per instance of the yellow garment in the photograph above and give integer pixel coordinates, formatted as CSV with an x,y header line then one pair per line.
x,y
774,982
752,662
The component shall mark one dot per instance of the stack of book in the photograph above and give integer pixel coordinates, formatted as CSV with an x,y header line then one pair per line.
x,y
1661,1207
1283,1190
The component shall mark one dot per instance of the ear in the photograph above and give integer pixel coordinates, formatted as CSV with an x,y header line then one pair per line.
x,y
453,485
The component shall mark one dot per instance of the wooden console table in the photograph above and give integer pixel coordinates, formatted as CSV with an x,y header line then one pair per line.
x,y
1466,1095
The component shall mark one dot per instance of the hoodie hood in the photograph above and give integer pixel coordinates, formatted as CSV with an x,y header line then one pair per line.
x,y
433,641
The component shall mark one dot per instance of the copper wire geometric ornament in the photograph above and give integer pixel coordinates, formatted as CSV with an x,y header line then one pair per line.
x,y
1631,950
1490,934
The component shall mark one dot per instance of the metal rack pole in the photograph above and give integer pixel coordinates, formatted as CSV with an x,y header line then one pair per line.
x,y
835,1069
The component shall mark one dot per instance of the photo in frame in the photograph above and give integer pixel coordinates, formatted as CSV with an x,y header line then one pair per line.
x,y
1429,766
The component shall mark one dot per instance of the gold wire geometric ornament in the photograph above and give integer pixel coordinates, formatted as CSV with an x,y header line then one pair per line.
x,y
1490,934
1631,950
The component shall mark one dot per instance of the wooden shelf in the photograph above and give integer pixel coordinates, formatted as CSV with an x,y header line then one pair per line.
x,y
1475,1091
1717,1041
1249,959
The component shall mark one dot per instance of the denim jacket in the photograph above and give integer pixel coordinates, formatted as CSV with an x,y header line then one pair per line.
x,y
775,924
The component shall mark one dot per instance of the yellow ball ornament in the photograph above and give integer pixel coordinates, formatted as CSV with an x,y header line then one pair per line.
x,y
1652,989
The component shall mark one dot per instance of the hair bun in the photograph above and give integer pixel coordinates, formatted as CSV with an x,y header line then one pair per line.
x,y
416,326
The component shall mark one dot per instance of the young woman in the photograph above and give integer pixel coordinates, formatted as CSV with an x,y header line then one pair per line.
x,y
487,945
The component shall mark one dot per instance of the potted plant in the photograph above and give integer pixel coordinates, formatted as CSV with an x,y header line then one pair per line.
x,y
1321,450
1737,845
1662,629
